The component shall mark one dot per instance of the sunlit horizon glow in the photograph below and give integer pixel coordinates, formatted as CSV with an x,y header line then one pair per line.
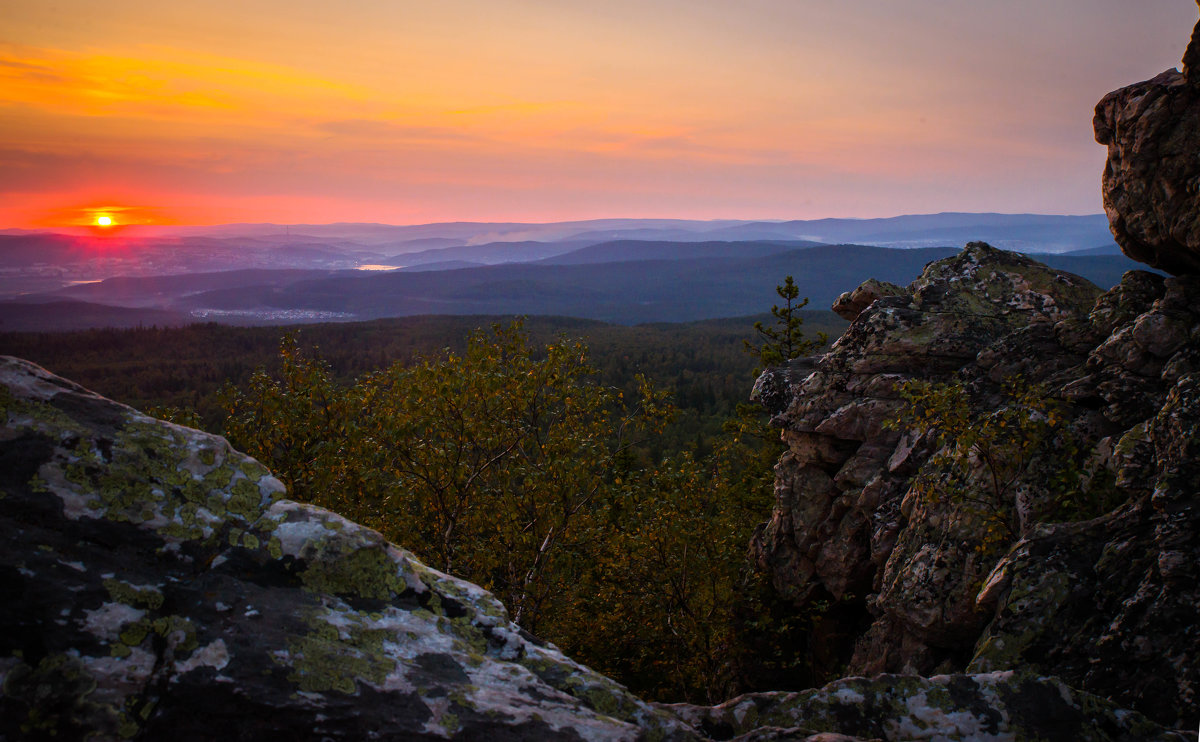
x,y
541,110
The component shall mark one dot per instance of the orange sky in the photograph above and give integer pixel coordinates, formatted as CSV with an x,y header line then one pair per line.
x,y
540,110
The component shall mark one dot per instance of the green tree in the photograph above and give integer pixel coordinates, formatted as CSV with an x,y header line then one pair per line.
x,y
784,340
660,603
508,464
494,464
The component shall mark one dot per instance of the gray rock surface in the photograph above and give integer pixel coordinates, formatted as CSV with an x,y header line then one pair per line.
x,y
840,485
1152,179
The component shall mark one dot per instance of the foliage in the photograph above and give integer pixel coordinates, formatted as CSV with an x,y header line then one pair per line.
x,y
185,367
1012,464
680,609
492,464
784,340
179,415
662,606
511,466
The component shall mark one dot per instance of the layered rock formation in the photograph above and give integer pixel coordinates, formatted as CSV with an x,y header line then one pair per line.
x,y
1152,179
983,708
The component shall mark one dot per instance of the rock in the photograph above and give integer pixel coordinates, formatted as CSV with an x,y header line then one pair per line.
x,y
995,706
851,304
1152,179
838,490
158,586
1105,603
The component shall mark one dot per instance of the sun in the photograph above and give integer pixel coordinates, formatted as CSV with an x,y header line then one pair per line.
x,y
104,220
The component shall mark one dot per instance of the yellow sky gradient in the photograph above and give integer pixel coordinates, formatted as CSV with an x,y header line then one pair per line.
x,y
530,110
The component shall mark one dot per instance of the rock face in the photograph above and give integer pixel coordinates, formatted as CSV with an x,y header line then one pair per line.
x,y
1107,603
157,586
1152,179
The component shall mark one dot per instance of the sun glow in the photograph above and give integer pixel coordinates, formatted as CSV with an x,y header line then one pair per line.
x,y
104,220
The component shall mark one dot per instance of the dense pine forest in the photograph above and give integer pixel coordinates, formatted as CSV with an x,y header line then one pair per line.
x,y
702,364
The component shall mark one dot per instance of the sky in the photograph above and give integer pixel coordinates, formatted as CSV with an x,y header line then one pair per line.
x,y
393,111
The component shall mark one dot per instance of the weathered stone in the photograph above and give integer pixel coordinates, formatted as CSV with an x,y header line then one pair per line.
x,y
994,706
851,303
835,538
1111,602
1152,179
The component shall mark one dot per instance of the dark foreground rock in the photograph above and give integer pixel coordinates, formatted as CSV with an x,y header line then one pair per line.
x,y
998,706
156,585
1152,179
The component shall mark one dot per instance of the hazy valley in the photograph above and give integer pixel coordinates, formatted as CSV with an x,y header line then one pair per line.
x,y
625,271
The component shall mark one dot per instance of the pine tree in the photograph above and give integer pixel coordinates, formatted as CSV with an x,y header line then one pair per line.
x,y
784,340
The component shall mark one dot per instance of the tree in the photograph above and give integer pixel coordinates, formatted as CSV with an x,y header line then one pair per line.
x,y
784,340
660,603
494,464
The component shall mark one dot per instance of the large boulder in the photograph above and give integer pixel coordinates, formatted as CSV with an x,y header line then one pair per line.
x,y
1152,180
840,485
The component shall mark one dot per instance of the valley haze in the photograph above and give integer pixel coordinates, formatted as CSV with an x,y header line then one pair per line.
x,y
617,270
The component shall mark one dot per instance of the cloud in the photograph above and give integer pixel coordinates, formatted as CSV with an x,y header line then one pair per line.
x,y
388,130
18,69
163,83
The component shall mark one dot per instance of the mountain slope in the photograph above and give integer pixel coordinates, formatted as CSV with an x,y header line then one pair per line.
x,y
635,250
626,292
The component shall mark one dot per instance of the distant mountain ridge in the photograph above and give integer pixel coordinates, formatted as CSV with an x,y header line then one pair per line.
x,y
619,251
616,270
1056,232
626,282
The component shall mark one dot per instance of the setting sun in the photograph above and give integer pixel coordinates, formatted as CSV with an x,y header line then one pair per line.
x,y
104,221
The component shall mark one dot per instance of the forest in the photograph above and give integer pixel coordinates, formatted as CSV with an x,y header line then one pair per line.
x,y
602,480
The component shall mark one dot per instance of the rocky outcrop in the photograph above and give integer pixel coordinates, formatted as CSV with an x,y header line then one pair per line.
x,y
1106,603
1152,180
158,586
1104,593
840,485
